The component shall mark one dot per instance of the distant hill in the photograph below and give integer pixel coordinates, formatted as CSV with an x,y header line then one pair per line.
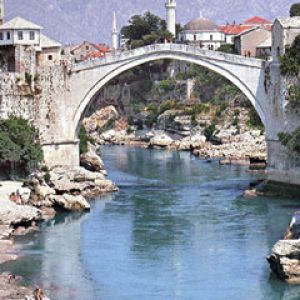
x,y
71,21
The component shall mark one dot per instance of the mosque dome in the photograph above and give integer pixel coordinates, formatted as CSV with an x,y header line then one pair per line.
x,y
201,24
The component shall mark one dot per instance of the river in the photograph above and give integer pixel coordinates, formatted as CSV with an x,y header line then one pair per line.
x,y
177,229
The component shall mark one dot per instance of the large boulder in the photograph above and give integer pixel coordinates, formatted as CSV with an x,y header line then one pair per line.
x,y
100,119
91,160
161,140
285,260
194,142
70,202
78,180
13,214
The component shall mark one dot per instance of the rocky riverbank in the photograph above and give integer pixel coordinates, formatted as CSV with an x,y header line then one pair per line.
x,y
39,198
227,141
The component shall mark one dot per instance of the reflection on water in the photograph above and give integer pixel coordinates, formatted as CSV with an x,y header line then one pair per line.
x,y
177,229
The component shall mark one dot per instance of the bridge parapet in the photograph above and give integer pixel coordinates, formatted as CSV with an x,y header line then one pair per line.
x,y
119,56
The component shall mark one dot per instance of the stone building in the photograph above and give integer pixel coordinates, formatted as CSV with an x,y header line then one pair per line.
x,y
232,30
264,49
88,50
23,46
284,33
49,52
202,32
246,42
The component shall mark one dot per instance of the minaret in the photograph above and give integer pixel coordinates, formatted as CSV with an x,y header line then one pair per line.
x,y
171,16
115,34
1,12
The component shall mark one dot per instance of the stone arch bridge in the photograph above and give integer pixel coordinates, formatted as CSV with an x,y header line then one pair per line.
x,y
68,91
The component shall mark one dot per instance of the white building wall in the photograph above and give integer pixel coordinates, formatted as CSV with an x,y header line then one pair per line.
x,y
14,38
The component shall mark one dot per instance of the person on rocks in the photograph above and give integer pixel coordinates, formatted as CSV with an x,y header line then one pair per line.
x,y
39,294
13,197
19,198
11,278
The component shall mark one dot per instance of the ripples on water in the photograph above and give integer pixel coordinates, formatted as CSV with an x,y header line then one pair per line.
x,y
177,229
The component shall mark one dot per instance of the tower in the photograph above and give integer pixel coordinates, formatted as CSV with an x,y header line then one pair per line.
x,y
115,35
171,16
1,12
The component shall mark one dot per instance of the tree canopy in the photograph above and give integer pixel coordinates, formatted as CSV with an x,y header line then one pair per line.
x,y
145,30
18,141
290,61
295,10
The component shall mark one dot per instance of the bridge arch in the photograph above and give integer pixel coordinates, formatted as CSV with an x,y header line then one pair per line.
x,y
245,73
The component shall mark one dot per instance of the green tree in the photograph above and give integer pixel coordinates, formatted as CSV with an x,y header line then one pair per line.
x,y
19,141
290,61
295,10
145,30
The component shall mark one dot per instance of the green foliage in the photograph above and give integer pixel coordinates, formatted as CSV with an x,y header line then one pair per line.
x,y
291,140
294,94
236,121
254,120
84,140
18,141
145,30
167,85
209,131
295,10
290,61
47,177
227,48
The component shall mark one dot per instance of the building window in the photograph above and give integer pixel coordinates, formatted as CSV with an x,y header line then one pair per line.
x,y
20,35
211,37
87,48
8,36
50,57
32,35
1,36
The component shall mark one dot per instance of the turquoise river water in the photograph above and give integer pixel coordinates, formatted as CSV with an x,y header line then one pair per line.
x,y
177,229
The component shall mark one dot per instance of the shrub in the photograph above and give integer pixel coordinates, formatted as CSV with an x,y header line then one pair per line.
x,y
254,120
19,141
84,140
294,94
209,131
291,140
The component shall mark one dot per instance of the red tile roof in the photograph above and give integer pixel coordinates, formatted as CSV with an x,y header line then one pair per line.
x,y
235,29
257,21
99,47
94,54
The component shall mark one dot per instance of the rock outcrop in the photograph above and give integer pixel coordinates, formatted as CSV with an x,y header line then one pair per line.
x,y
68,187
161,140
13,214
70,202
92,161
285,260
100,119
